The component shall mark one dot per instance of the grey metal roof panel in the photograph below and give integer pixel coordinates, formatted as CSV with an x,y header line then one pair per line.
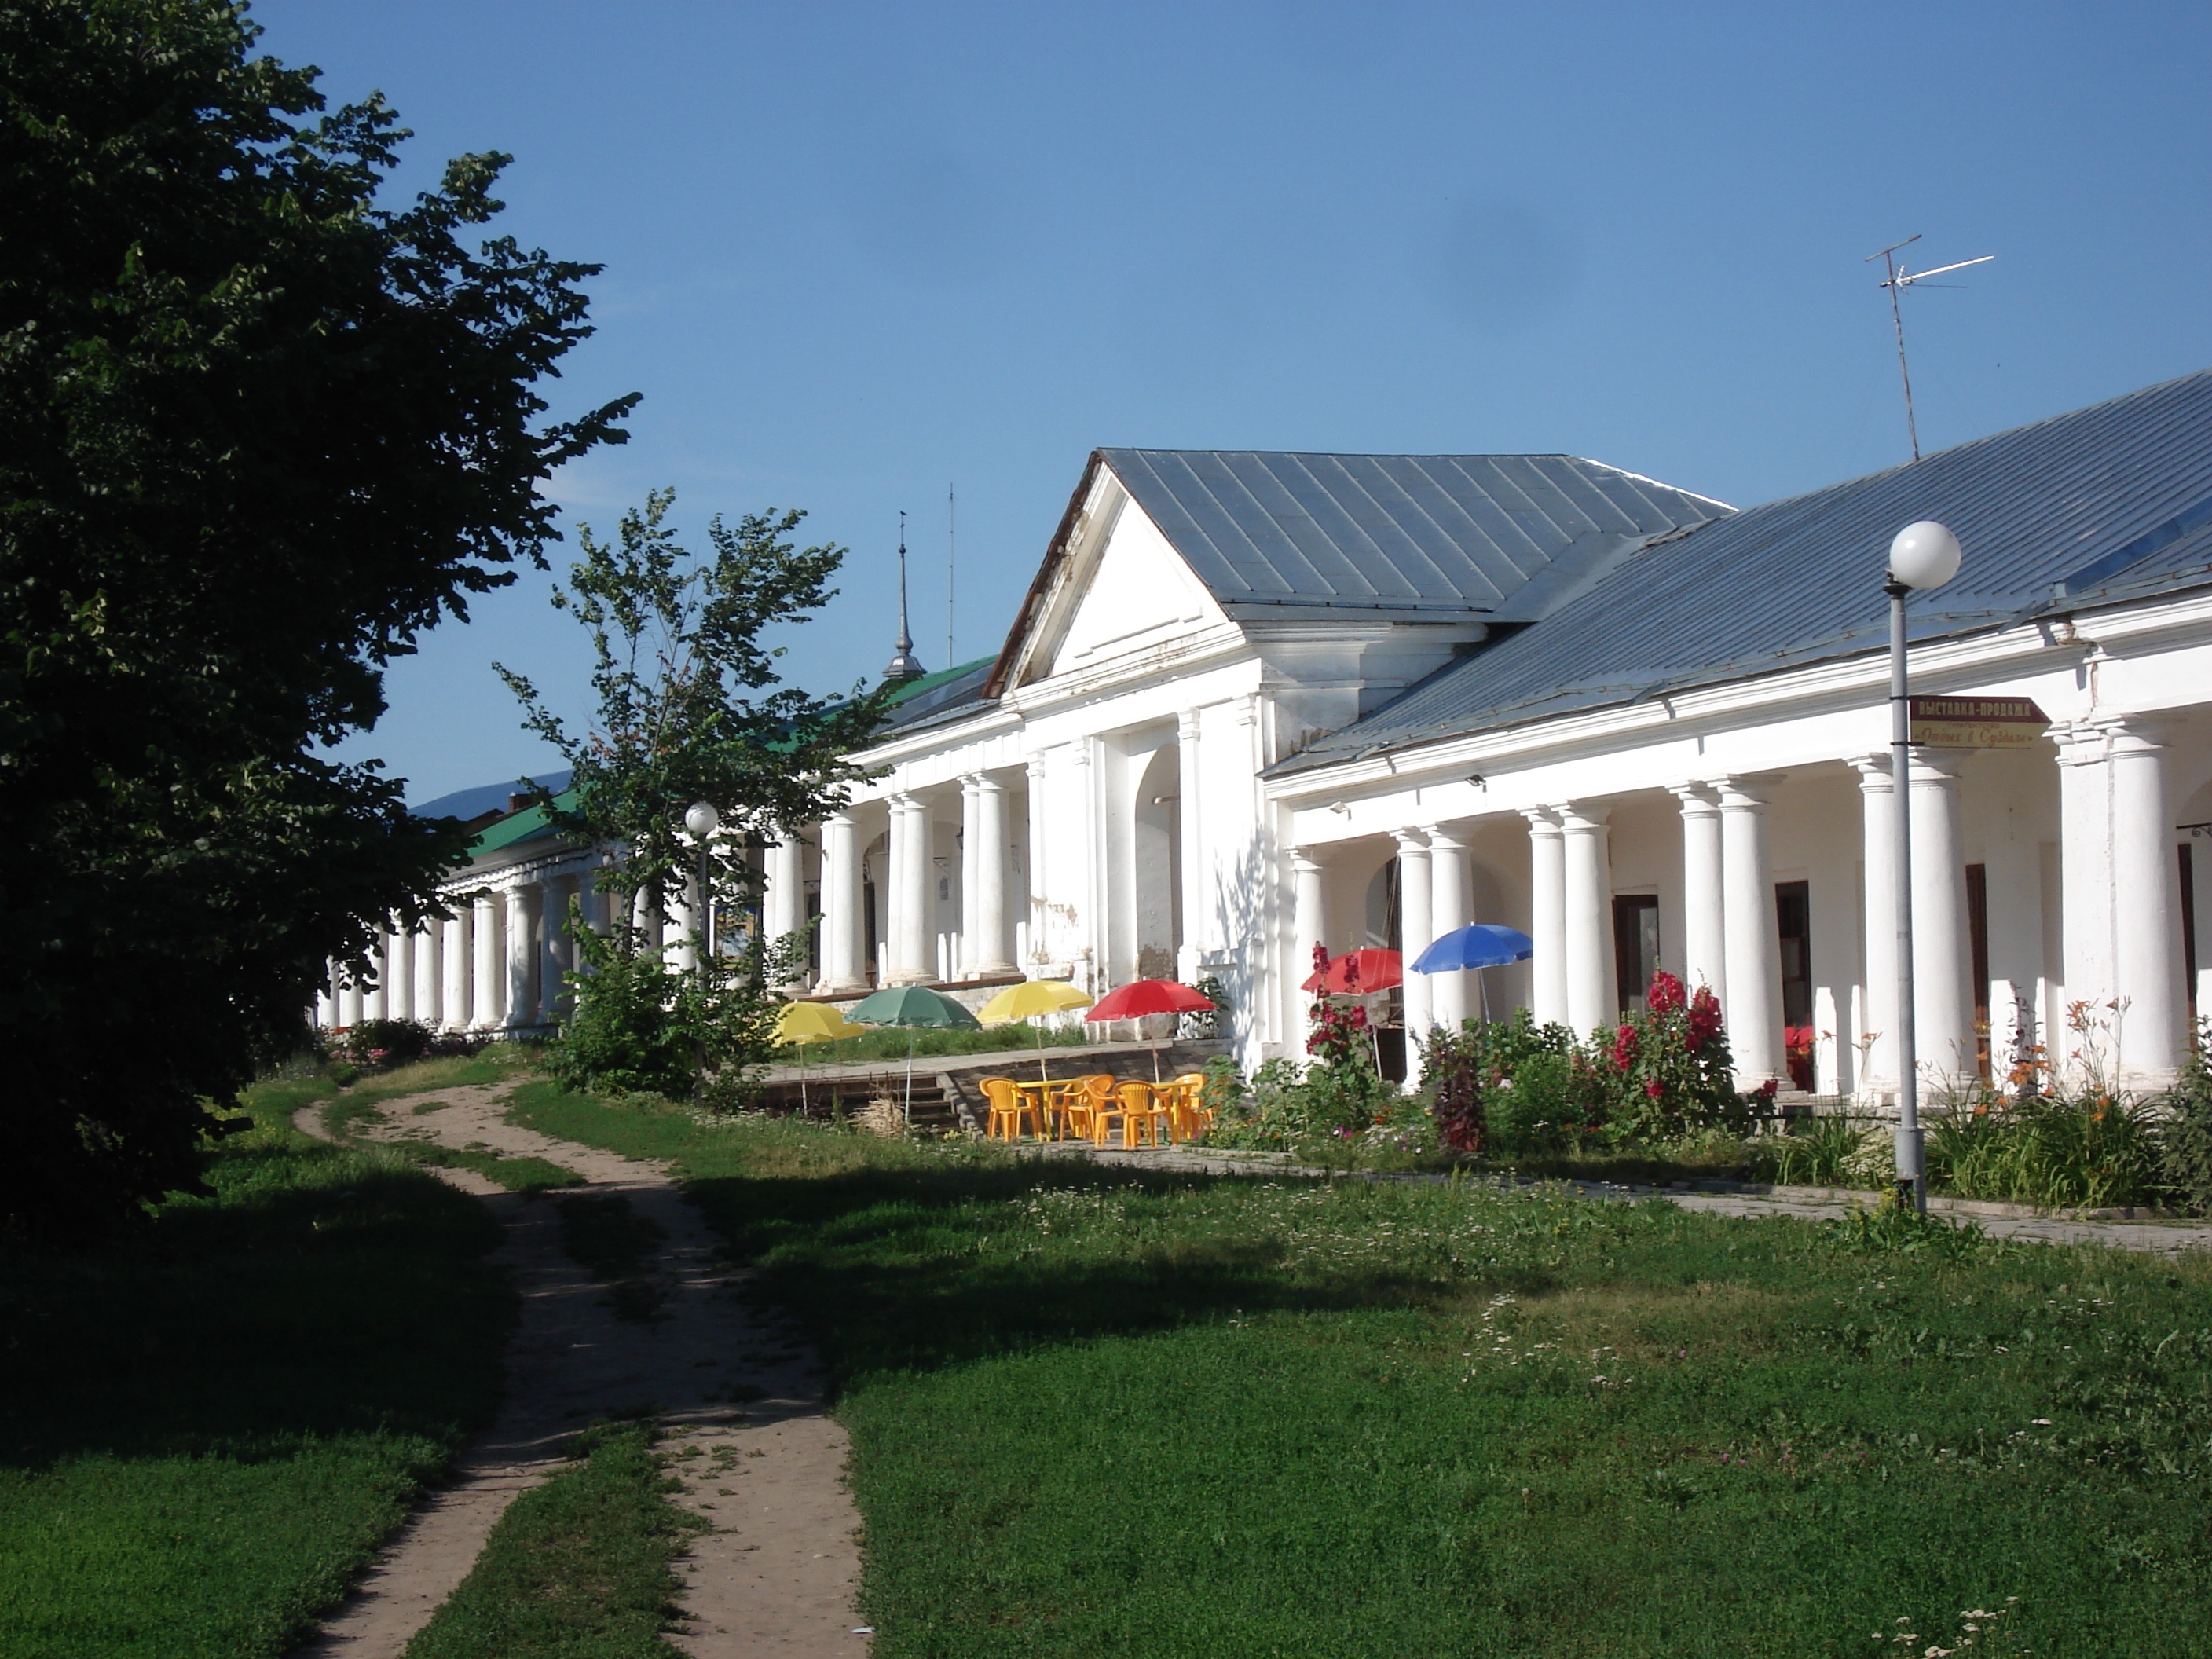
x,y
2110,500
1455,532
939,695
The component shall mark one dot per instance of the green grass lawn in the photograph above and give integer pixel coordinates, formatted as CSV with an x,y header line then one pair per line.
x,y
204,1433
579,1568
1097,1412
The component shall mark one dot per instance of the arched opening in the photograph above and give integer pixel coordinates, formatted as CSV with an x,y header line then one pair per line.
x,y
1157,847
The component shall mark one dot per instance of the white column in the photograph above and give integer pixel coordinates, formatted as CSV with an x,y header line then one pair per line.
x,y
967,952
1942,950
1454,996
428,1003
349,1006
399,975
1040,834
1200,930
1751,935
911,956
890,894
2145,906
844,924
679,901
1547,917
326,998
991,951
783,906
524,903
1878,928
453,972
489,957
1704,953
1593,990
2200,851
376,997
553,945
1309,926
1417,924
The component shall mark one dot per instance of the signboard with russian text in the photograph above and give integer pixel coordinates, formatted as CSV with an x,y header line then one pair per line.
x,y
1976,722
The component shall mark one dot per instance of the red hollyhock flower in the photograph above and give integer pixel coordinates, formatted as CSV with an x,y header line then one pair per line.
x,y
1704,1018
1665,996
1655,1088
1625,1045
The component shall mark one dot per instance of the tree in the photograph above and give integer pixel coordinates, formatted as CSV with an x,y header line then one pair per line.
x,y
256,435
690,708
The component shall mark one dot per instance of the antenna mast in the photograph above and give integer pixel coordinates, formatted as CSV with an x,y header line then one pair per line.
x,y
1897,280
951,656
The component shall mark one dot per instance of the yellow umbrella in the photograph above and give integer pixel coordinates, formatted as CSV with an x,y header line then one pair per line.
x,y
802,1023
1030,998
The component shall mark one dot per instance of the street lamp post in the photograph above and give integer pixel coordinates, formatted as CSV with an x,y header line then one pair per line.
x,y
1922,555
701,820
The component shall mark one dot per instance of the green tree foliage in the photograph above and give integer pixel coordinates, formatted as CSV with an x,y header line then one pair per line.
x,y
690,708
256,433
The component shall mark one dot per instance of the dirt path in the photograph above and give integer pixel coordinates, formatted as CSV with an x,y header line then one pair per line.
x,y
759,1457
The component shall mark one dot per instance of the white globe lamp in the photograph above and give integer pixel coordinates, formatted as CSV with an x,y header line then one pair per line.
x,y
1923,554
702,820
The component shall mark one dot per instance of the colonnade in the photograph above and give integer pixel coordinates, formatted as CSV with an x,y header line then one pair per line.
x,y
986,945
497,962
2122,943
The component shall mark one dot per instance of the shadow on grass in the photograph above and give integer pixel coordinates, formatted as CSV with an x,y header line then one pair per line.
x,y
919,1269
323,1292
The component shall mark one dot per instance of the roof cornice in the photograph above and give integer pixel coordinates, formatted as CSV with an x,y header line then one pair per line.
x,y
1835,683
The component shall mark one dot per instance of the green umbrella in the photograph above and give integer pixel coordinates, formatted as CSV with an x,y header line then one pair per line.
x,y
910,1006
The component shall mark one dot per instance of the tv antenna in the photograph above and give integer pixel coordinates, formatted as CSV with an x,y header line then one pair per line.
x,y
1898,279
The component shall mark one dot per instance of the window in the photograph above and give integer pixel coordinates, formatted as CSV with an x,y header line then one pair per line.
x,y
1793,916
1635,947
1977,939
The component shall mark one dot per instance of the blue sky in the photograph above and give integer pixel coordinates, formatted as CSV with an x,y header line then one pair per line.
x,y
856,252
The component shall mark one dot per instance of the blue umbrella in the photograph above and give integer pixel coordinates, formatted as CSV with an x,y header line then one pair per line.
x,y
1484,945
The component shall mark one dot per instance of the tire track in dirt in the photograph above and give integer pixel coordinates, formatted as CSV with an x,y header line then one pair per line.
x,y
748,1435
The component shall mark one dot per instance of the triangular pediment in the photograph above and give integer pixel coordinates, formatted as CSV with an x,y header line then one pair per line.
x,y
1120,591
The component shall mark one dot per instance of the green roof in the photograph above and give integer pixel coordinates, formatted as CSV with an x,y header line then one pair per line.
x,y
530,822
914,688
522,826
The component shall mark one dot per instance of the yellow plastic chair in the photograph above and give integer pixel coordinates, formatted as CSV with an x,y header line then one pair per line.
x,y
1139,1112
1084,1099
1192,1117
1009,1111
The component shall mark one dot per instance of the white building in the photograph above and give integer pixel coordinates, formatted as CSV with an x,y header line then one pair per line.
x,y
1255,700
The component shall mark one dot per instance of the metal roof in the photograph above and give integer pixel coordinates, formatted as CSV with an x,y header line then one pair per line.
x,y
1507,536
2105,503
465,803
934,696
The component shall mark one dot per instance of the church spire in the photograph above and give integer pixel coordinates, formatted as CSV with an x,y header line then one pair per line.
x,y
904,665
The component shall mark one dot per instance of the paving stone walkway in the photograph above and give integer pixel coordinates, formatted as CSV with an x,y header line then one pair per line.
x,y
2168,1237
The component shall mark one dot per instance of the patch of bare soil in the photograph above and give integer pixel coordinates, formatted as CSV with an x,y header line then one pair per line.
x,y
750,1436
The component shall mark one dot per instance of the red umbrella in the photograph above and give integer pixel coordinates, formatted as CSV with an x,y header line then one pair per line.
x,y
1357,972
1148,996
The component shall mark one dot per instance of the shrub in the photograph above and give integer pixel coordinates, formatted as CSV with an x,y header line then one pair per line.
x,y
2185,1137
387,1041
1670,1066
1826,1151
2089,1150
